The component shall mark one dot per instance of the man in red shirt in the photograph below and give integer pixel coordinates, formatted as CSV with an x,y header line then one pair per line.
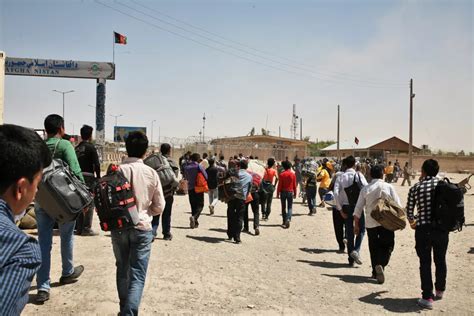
x,y
287,191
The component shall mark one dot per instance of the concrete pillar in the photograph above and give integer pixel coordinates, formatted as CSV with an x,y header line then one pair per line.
x,y
100,112
2,83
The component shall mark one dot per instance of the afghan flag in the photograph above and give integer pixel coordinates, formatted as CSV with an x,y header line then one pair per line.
x,y
120,39
356,140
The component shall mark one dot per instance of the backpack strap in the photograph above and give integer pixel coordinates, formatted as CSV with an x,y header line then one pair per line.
x,y
55,147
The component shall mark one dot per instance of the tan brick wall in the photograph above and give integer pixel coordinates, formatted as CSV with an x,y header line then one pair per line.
x,y
446,163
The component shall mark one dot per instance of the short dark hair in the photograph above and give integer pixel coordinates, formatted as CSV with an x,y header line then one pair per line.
x,y
376,172
165,149
53,123
204,155
221,157
86,132
24,154
136,144
430,167
195,157
211,161
350,161
271,162
243,164
286,164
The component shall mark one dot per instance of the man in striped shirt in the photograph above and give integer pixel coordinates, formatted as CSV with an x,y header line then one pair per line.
x,y
24,154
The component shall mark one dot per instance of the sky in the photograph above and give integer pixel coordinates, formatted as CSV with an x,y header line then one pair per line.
x,y
245,63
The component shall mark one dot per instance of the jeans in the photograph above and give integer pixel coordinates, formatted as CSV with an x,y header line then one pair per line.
x,y
132,248
256,216
235,210
166,221
381,244
349,210
286,198
45,239
427,239
266,203
322,192
213,197
311,196
197,203
339,224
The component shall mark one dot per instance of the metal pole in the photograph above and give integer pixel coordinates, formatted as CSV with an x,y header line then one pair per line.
x,y
151,141
63,107
301,128
338,116
410,143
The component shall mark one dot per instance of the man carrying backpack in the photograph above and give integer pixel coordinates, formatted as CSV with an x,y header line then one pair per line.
x,y
24,155
428,239
381,240
90,166
255,184
346,193
132,245
61,149
168,191
212,177
195,199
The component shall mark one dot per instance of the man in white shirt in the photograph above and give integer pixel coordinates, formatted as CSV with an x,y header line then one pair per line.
x,y
381,240
132,247
346,205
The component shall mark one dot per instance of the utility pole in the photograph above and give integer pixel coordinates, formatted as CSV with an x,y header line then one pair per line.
x,y
410,143
301,128
151,141
116,117
279,131
63,93
338,116
203,127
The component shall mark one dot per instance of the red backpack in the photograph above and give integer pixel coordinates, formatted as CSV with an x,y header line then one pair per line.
x,y
256,180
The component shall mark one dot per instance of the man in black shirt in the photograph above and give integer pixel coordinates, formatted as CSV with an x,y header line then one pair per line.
x,y
90,166
212,172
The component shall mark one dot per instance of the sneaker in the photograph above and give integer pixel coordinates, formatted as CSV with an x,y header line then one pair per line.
x,y
73,277
355,255
379,275
192,222
89,232
341,250
211,209
310,213
257,231
237,240
168,237
42,296
439,295
428,304
246,230
315,211
287,224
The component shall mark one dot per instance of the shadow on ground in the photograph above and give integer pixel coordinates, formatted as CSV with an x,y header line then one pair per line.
x,y
396,305
211,240
358,279
219,230
325,264
471,251
318,251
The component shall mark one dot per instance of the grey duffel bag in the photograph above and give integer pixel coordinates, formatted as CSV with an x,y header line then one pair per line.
x,y
61,194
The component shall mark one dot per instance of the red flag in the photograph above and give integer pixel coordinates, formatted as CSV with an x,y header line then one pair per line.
x,y
356,140
120,39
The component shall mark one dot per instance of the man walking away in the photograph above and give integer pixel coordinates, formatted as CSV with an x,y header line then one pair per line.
x,y
90,166
381,240
287,190
132,246
195,199
204,162
406,174
24,155
212,177
350,181
389,173
311,189
254,187
337,219
61,149
246,182
428,239
269,181
324,179
222,163
298,168
168,192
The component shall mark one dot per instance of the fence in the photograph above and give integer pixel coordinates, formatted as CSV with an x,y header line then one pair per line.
x,y
456,164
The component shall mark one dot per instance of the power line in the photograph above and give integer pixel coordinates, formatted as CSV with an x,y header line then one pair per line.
x,y
334,74
232,53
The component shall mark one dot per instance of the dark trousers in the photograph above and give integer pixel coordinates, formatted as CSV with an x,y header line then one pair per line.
x,y
286,201
256,216
166,221
311,196
84,221
428,239
407,179
266,203
235,210
197,203
322,192
351,243
338,222
381,244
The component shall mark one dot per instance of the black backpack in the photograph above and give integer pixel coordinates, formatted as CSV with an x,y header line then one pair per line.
x,y
353,190
229,187
115,201
448,210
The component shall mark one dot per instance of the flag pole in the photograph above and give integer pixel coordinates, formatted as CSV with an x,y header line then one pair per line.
x,y
113,47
